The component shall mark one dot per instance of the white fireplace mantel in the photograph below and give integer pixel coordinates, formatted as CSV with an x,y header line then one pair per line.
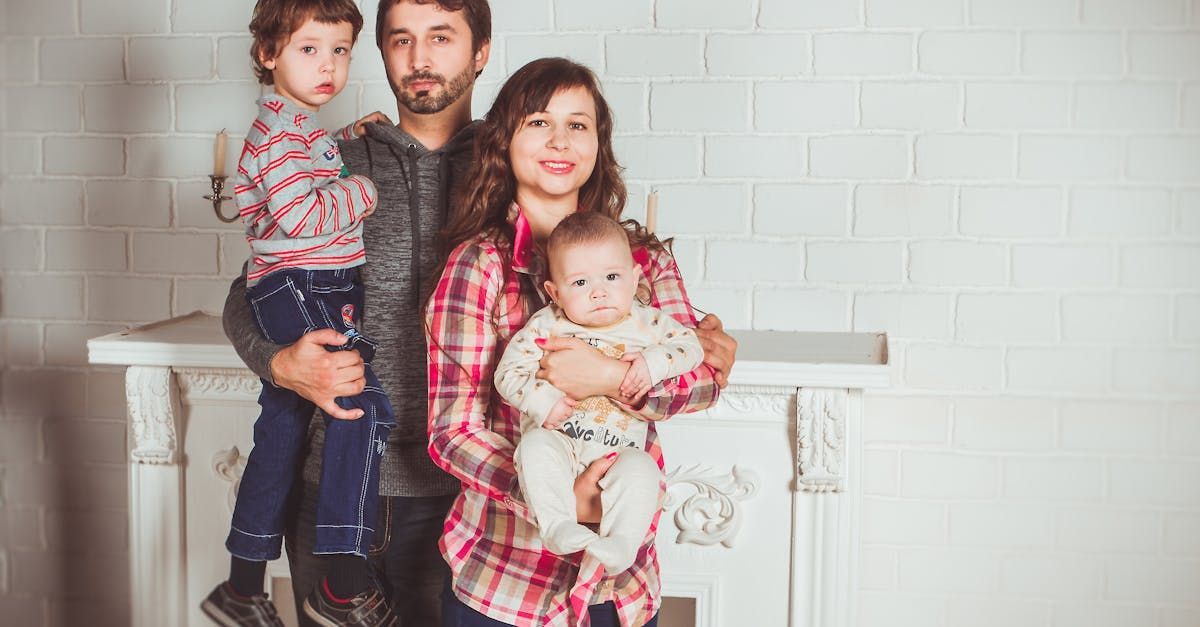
x,y
763,489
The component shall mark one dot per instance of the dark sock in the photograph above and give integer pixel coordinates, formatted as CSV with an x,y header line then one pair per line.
x,y
347,577
246,577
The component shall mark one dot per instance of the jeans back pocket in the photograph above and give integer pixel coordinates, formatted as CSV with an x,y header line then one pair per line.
x,y
280,310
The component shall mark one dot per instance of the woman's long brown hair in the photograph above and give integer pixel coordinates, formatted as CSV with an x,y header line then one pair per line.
x,y
483,206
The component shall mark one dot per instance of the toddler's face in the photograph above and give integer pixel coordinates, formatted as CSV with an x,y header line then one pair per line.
x,y
311,68
593,283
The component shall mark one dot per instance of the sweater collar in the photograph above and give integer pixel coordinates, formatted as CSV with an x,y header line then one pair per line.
x,y
393,135
528,259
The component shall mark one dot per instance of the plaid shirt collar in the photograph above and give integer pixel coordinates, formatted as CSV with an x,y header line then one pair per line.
x,y
528,259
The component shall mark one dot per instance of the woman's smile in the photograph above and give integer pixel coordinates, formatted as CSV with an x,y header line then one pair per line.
x,y
558,167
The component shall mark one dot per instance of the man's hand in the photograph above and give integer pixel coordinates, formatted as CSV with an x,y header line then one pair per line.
x,y
360,127
578,370
720,350
587,489
560,412
318,375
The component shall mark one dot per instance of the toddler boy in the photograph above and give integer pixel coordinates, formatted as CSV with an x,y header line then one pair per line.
x,y
303,217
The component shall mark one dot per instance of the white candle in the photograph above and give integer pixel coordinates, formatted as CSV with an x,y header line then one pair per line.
x,y
651,211
219,154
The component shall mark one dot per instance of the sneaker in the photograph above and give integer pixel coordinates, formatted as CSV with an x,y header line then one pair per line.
x,y
230,609
368,609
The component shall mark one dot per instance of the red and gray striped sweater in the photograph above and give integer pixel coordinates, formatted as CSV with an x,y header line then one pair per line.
x,y
298,212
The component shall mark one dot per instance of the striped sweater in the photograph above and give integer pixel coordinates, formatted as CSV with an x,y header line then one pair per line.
x,y
298,212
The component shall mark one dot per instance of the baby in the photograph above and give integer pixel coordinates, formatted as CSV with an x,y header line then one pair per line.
x,y
592,281
303,215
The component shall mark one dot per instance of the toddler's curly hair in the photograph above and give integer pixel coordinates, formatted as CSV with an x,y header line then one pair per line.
x,y
275,21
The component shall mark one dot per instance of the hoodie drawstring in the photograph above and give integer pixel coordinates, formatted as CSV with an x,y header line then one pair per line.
x,y
414,222
409,172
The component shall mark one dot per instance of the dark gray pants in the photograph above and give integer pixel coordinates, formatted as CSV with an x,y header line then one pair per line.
x,y
404,552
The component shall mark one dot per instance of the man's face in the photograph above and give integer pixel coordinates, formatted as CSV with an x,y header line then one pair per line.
x,y
429,56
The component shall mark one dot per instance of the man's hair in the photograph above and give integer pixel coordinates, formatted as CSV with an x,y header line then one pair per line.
x,y
275,21
585,227
477,13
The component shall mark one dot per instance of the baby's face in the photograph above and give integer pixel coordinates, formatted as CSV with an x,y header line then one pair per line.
x,y
593,283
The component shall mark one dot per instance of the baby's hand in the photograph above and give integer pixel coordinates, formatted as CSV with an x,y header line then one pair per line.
x,y
560,412
360,127
637,378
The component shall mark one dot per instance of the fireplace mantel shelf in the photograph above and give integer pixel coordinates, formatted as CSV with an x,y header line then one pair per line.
x,y
776,358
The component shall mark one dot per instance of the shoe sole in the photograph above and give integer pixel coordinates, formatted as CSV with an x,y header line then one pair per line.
x,y
211,610
316,617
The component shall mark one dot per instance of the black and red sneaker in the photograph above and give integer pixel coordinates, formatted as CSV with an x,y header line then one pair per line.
x,y
230,609
369,608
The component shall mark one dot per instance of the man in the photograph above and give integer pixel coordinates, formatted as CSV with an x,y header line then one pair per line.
x,y
433,50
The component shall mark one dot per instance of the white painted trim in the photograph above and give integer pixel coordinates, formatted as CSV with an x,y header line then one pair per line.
x,y
797,375
825,569
704,589
103,351
157,565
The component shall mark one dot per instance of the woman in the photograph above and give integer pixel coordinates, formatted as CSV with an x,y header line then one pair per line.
x,y
543,152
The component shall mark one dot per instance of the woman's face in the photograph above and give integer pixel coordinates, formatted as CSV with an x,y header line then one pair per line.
x,y
553,152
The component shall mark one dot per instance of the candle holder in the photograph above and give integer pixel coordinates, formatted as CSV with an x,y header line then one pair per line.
x,y
218,186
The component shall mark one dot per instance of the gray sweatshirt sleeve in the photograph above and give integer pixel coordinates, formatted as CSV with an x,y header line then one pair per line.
x,y
243,333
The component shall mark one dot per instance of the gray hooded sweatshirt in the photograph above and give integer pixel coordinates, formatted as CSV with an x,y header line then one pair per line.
x,y
414,193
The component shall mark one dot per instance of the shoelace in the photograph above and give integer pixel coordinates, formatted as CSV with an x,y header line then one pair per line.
x,y
375,609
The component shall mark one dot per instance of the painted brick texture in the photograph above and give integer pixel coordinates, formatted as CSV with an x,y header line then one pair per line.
x,y
1009,188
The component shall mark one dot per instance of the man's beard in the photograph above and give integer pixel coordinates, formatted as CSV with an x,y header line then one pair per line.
x,y
428,101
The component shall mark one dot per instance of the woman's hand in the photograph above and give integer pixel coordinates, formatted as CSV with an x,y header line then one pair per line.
x,y
720,350
578,370
587,489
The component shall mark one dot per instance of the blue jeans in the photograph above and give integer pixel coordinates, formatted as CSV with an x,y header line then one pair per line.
x,y
404,554
455,613
287,304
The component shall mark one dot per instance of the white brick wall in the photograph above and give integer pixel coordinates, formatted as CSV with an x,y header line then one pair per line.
x,y
805,106
83,60
1009,188
976,53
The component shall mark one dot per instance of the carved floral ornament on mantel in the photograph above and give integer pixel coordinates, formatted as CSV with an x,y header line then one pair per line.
x,y
229,465
713,513
821,439
151,404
